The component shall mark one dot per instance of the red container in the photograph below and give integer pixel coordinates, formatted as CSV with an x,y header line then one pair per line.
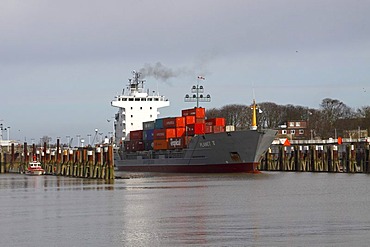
x,y
160,134
208,129
137,145
189,120
180,132
174,143
160,144
174,122
187,140
136,135
218,129
216,121
196,129
198,112
127,145
200,120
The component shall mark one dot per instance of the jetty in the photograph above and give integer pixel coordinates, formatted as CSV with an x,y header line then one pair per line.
x,y
83,162
333,155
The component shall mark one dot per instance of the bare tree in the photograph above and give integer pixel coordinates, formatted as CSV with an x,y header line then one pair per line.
x,y
270,115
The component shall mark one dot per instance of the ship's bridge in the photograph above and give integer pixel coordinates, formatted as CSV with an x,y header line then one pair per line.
x,y
135,108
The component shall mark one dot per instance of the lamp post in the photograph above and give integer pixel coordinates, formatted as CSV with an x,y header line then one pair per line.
x,y
8,132
89,136
197,91
68,140
78,139
8,135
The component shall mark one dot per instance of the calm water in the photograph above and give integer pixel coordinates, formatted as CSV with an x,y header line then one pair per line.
x,y
270,209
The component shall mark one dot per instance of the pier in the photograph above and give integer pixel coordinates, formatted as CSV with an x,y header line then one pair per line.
x,y
98,163
318,156
82,162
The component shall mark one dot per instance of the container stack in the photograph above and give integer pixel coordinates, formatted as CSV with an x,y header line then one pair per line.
x,y
173,132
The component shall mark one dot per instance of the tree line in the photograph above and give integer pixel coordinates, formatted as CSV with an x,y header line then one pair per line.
x,y
332,118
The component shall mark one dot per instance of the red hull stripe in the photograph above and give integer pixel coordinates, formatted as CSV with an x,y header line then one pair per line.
x,y
222,168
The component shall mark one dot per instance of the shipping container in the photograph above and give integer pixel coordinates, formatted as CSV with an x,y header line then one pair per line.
x,y
148,145
164,133
180,132
127,146
187,140
230,128
216,121
137,145
148,125
189,120
158,123
198,112
174,143
208,129
160,144
218,129
148,135
136,135
200,120
196,129
174,122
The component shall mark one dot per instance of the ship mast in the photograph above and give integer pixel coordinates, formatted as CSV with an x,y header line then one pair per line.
x,y
134,83
254,115
197,91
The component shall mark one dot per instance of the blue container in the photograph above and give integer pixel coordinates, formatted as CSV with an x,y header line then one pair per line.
x,y
148,135
158,124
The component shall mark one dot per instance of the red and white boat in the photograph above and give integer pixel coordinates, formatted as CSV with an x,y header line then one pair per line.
x,y
34,168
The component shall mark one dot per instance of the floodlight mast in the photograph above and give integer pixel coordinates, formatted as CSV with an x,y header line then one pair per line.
x,y
197,94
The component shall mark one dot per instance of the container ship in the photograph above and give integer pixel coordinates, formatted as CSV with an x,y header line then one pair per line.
x,y
187,143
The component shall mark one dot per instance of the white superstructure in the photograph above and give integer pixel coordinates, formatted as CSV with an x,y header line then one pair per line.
x,y
135,107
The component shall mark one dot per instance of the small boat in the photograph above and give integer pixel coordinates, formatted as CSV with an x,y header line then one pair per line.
x,y
34,168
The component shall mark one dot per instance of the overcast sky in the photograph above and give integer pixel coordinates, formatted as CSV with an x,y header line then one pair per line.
x,y
62,62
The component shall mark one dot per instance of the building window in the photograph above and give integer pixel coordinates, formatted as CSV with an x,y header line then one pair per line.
x,y
301,131
291,124
131,108
298,124
132,116
283,132
292,132
141,108
150,108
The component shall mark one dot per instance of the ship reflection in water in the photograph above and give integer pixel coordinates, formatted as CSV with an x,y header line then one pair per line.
x,y
268,209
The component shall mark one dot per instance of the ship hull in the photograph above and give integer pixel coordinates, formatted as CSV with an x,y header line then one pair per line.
x,y
207,168
228,152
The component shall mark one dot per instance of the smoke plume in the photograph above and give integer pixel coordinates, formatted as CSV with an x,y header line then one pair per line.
x,y
160,72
